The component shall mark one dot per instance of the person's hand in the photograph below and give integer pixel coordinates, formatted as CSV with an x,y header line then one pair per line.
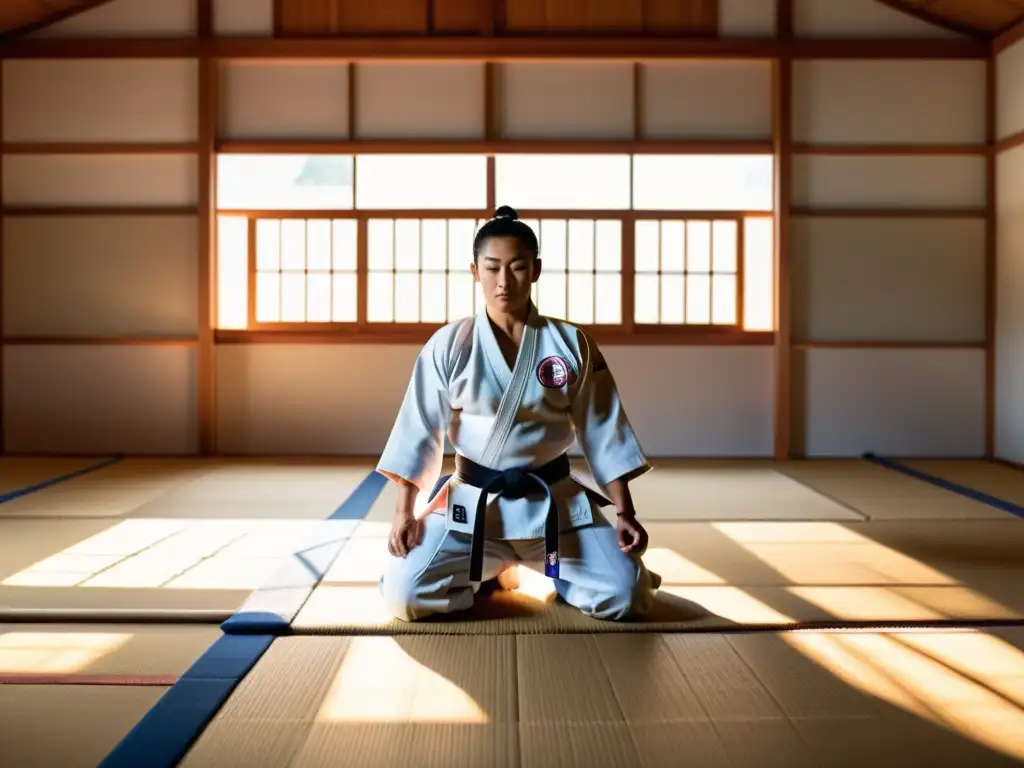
x,y
406,535
632,536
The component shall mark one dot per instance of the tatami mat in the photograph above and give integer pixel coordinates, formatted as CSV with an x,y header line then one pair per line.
x,y
72,650
18,472
113,491
260,490
879,493
989,477
797,699
140,564
68,726
696,490
720,575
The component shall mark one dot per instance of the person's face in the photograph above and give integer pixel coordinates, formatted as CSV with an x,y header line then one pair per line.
x,y
506,274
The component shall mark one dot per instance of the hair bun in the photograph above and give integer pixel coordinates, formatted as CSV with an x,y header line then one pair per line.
x,y
506,212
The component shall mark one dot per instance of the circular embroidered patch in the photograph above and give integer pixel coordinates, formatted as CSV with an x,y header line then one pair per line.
x,y
554,372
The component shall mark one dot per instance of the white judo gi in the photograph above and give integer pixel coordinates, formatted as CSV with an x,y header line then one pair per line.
x,y
560,391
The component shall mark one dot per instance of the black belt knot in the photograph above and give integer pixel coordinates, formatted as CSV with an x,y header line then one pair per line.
x,y
513,483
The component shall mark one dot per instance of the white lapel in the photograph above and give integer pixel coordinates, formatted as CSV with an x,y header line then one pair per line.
x,y
517,380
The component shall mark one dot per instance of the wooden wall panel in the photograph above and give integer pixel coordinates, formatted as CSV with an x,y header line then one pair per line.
x,y
712,100
340,17
721,398
124,399
1009,332
889,102
82,181
896,402
455,17
572,15
264,100
100,101
253,18
416,101
889,182
360,17
747,18
571,100
888,280
100,276
1010,91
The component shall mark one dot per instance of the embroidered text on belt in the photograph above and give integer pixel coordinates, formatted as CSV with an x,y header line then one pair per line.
x,y
513,483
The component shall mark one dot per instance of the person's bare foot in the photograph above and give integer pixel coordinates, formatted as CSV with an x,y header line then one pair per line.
x,y
508,579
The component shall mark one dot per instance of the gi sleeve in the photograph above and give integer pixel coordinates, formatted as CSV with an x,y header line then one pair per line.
x,y
602,428
415,449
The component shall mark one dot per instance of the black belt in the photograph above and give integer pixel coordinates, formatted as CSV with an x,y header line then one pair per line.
x,y
511,484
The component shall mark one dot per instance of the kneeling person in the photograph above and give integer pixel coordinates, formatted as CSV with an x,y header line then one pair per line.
x,y
512,391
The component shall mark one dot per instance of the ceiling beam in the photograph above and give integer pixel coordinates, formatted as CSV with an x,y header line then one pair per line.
x,y
1008,37
493,48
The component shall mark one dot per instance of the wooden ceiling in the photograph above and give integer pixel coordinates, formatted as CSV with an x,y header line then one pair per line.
x,y
979,18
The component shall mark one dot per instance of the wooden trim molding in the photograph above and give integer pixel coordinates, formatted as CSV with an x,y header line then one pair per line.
x,y
381,333
494,147
991,259
98,148
1008,38
860,150
11,211
1012,141
890,213
782,134
494,48
857,344
100,341
206,302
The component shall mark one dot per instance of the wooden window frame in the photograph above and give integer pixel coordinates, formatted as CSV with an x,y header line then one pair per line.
x,y
363,330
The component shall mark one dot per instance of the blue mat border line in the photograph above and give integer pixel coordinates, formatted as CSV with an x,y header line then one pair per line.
x,y
44,484
963,490
354,508
166,733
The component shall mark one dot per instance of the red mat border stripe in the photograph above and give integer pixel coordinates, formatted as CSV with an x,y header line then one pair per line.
x,y
136,680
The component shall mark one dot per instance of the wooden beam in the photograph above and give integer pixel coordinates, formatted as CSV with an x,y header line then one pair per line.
x,y
1012,141
889,213
782,118
101,341
1006,39
492,48
207,282
3,350
803,345
885,49
901,150
104,210
97,148
384,333
990,259
493,147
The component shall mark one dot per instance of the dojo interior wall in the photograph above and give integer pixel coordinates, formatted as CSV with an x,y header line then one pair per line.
x,y
887,297
1009,379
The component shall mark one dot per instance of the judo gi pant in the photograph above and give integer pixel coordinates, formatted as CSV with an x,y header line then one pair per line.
x,y
595,576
